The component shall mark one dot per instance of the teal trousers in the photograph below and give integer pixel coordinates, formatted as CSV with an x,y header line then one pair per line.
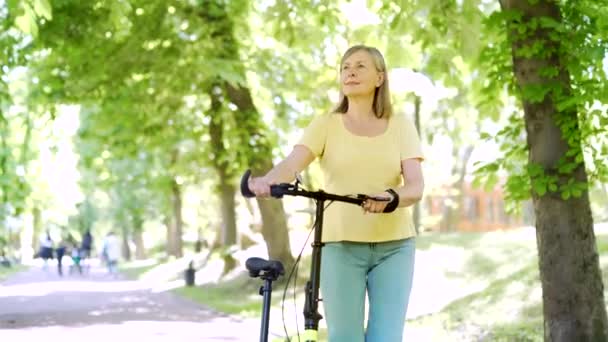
x,y
384,271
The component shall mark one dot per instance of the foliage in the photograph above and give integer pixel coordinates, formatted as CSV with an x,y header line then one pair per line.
x,y
581,41
142,70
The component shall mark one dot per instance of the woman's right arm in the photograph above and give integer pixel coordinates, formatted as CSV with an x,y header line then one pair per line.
x,y
284,172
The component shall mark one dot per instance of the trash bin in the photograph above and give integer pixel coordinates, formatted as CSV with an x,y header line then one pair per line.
x,y
189,274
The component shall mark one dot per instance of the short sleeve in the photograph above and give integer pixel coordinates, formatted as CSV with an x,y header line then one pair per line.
x,y
409,140
315,135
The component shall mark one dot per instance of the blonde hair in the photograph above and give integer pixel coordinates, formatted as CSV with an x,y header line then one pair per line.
x,y
381,106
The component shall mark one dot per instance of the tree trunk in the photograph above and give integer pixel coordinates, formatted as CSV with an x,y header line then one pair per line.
x,y
138,236
222,166
449,211
36,229
229,219
177,217
138,240
460,184
456,195
170,245
573,297
126,247
228,213
274,223
274,231
252,137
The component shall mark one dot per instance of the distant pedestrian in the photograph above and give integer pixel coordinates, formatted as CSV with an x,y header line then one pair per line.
x,y
111,251
46,249
85,248
87,244
60,252
76,259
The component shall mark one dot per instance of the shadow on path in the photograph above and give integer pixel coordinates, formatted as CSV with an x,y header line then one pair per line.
x,y
99,307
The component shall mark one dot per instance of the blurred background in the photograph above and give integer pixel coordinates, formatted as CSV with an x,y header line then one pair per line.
x,y
140,117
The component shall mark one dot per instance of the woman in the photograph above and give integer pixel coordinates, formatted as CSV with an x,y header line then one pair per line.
x,y
362,148
46,249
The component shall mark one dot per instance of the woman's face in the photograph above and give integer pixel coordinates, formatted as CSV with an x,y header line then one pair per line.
x,y
359,75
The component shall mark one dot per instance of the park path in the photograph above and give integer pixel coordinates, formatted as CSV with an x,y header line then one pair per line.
x,y
37,305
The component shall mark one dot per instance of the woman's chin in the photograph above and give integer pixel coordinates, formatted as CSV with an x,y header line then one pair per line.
x,y
357,93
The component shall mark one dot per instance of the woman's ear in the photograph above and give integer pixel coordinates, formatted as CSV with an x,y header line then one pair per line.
x,y
380,79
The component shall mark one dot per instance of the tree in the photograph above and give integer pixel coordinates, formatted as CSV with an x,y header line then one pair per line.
x,y
252,142
573,293
555,50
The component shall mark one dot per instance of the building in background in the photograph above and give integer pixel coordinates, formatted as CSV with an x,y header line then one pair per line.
x,y
475,210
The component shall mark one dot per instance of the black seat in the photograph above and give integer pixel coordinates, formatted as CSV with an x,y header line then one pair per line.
x,y
255,266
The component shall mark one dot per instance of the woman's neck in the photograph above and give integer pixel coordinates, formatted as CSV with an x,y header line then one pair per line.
x,y
361,107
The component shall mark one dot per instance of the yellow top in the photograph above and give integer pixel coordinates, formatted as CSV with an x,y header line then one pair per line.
x,y
354,164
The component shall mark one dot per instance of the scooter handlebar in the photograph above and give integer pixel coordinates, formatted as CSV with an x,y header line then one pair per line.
x,y
245,185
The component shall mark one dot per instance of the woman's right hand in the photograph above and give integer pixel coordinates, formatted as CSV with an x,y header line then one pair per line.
x,y
260,186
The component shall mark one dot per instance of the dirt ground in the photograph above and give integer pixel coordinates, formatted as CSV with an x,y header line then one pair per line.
x,y
38,304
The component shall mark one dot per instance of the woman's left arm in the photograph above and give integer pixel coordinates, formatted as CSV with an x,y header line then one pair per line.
x,y
411,191
409,194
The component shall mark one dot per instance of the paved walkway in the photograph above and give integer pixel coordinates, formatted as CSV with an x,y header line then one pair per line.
x,y
38,305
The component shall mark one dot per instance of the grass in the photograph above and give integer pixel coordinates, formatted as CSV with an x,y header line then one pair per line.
x,y
5,272
468,287
502,266
508,307
501,300
238,296
135,270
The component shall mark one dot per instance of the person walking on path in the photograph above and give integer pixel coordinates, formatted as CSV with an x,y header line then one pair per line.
x,y
46,249
85,249
111,251
59,253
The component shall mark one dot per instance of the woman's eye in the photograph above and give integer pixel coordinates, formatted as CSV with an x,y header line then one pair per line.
x,y
360,66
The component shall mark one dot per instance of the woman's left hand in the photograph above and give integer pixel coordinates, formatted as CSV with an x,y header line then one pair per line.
x,y
373,206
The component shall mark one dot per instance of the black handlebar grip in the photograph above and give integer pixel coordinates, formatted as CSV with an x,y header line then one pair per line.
x,y
277,191
245,185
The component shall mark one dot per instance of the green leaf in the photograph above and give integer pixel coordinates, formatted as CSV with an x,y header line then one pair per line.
x,y
395,22
43,9
476,182
548,22
26,22
565,195
535,170
597,52
485,136
534,93
491,181
567,168
540,187
568,103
